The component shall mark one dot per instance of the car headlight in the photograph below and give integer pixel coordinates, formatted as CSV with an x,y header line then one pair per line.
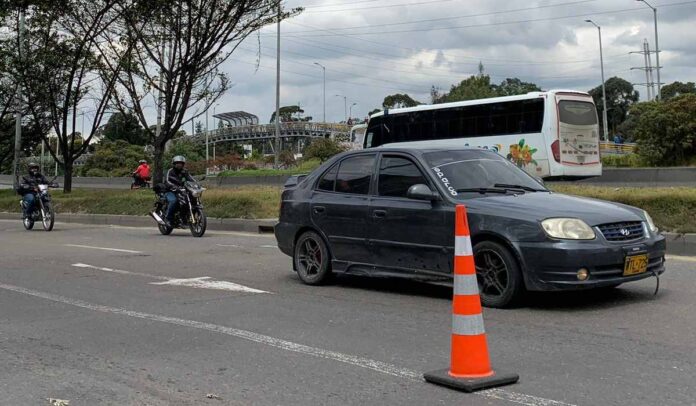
x,y
568,229
651,225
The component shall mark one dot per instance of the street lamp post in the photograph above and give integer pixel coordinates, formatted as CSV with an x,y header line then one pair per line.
x,y
345,106
604,91
657,50
323,68
277,106
351,110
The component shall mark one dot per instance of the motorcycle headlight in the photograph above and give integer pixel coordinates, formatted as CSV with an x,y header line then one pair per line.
x,y
568,229
649,221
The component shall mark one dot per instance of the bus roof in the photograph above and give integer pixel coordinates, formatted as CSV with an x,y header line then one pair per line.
x,y
530,95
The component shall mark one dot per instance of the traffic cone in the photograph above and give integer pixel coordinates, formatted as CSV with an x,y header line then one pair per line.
x,y
470,368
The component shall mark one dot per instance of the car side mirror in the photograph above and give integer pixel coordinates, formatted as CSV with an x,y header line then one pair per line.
x,y
422,192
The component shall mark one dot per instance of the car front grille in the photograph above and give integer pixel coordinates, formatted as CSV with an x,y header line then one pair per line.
x,y
626,231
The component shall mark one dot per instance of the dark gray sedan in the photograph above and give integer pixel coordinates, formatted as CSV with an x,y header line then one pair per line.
x,y
390,212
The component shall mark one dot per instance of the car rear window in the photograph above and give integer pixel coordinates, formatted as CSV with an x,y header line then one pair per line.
x,y
397,175
328,180
354,174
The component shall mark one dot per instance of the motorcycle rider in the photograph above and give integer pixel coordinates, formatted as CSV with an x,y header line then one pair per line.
x,y
28,187
177,175
142,173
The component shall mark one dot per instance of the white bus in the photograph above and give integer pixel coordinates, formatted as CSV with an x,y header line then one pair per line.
x,y
553,134
357,136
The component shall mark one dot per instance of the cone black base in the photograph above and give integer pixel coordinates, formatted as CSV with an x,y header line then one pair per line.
x,y
442,377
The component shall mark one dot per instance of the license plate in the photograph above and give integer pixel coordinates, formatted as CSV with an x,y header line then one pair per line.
x,y
635,264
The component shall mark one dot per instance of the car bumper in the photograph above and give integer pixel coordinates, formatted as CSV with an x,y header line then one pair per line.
x,y
285,237
553,265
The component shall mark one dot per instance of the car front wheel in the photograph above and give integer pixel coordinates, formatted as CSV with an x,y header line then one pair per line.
x,y
499,277
312,259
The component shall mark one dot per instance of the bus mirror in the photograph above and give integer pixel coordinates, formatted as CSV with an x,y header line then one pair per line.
x,y
422,192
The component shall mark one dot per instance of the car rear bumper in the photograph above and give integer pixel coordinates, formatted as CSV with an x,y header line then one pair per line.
x,y
553,265
285,237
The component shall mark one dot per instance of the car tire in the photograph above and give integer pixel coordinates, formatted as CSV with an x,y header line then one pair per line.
x,y
311,259
499,277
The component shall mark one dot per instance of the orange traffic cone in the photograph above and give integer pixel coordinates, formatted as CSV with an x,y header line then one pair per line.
x,y
470,368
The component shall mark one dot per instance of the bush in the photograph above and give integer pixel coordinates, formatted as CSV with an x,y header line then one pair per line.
x,y
97,173
323,149
623,161
666,131
111,156
120,172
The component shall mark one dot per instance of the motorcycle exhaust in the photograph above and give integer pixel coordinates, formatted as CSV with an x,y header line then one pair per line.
x,y
157,218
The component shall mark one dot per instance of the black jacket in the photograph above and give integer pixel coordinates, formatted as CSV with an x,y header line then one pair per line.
x,y
29,182
175,179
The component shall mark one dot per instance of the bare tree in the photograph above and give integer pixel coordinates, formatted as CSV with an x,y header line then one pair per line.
x,y
174,51
62,73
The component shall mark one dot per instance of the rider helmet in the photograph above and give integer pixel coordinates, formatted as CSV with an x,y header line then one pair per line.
x,y
142,161
33,168
178,162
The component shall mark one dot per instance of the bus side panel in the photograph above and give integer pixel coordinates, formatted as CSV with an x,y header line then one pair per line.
x,y
528,151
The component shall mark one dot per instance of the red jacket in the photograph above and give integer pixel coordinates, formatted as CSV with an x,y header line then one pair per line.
x,y
143,171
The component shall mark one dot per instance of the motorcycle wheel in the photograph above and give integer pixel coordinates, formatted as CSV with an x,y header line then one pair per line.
x,y
28,223
199,226
48,217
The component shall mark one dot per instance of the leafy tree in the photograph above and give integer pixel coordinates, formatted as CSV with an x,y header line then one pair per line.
x,y
677,88
514,86
620,98
287,114
474,87
31,141
59,69
175,50
398,100
124,127
199,127
666,131
374,111
286,158
323,149
114,158
190,150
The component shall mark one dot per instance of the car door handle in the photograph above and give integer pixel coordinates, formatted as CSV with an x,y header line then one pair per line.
x,y
379,214
319,209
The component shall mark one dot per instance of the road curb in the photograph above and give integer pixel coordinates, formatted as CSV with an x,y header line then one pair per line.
x,y
681,244
217,224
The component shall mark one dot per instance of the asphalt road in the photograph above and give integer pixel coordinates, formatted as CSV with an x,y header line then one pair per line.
x,y
123,316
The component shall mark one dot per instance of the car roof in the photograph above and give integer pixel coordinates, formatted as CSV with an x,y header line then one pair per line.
x,y
416,149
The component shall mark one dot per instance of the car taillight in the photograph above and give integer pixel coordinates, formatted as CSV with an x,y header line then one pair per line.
x,y
555,150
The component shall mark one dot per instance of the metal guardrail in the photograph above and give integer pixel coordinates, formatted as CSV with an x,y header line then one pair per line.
x,y
609,148
267,131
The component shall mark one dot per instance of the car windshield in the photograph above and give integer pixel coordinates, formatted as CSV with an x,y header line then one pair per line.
x,y
471,171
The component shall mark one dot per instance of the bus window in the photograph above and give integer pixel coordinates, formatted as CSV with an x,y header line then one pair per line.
x,y
577,112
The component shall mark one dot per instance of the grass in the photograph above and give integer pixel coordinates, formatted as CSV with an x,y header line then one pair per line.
x,y
303,167
244,202
673,209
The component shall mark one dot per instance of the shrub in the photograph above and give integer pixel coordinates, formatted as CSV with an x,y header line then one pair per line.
x,y
323,149
623,161
96,172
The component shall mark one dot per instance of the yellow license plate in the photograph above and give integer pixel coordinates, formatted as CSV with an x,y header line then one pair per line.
x,y
635,264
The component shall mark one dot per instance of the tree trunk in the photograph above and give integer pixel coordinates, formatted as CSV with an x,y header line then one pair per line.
x,y
67,171
158,173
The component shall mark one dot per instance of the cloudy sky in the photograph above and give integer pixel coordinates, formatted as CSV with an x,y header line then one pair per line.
x,y
372,48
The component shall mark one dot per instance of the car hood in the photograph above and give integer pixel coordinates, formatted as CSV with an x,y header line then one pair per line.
x,y
540,205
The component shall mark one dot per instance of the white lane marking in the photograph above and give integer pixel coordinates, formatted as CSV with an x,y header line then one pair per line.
x,y
121,272
103,248
268,246
229,245
680,258
354,360
204,282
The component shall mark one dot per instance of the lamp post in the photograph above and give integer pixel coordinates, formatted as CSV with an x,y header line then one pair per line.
x,y
351,110
657,50
345,106
604,91
277,106
323,68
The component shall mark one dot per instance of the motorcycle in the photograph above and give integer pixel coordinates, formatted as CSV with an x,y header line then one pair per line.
x,y
139,183
190,212
43,209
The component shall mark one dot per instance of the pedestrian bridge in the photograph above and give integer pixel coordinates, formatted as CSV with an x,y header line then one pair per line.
x,y
261,132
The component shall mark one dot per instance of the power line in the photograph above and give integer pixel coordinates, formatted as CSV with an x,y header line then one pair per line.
x,y
430,29
382,6
455,17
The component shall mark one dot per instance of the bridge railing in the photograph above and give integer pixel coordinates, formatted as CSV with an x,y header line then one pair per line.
x,y
267,129
609,148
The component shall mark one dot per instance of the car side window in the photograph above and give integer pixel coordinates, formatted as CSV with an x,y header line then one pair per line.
x,y
328,180
397,175
354,175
